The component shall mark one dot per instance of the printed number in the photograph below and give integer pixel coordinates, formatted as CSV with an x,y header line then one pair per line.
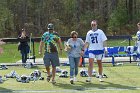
x,y
94,40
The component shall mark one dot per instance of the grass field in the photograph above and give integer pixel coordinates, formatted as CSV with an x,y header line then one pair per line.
x,y
11,54
121,79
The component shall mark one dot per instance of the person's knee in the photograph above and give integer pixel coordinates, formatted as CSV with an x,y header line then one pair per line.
x,y
53,68
71,68
99,61
47,67
90,63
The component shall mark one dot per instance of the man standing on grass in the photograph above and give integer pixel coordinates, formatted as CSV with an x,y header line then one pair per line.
x,y
95,42
50,39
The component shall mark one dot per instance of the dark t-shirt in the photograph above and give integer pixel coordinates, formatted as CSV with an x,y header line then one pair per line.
x,y
23,42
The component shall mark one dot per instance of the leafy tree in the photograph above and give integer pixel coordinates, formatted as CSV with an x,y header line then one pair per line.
x,y
118,19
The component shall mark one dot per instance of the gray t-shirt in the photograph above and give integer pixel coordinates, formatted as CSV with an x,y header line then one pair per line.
x,y
76,47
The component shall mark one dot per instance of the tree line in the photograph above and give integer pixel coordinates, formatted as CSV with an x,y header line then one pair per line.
x,y
115,17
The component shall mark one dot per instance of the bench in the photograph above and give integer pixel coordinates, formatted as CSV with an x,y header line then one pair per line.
x,y
122,51
119,51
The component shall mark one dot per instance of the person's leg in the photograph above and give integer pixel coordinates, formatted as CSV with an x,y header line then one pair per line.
x,y
83,61
48,73
76,60
55,62
76,65
23,57
26,51
48,70
72,66
53,73
138,50
47,65
100,67
90,66
22,54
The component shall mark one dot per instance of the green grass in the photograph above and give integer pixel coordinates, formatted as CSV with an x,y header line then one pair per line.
x,y
11,54
121,79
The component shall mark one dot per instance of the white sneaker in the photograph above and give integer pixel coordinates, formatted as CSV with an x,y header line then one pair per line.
x,y
100,78
138,64
74,79
89,79
71,81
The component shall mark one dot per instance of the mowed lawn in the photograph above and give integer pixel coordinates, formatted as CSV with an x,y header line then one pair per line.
x,y
121,79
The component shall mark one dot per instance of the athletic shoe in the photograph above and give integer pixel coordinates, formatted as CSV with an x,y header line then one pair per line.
x,y
89,79
53,81
138,64
71,81
48,78
74,79
101,80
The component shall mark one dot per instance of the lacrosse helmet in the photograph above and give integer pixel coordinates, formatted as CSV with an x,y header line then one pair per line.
x,y
25,79
83,73
64,74
36,73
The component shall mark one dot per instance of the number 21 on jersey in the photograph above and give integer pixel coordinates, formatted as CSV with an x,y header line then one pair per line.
x,y
94,39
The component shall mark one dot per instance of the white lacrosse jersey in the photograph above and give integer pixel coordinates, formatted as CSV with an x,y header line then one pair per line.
x,y
138,41
138,35
95,39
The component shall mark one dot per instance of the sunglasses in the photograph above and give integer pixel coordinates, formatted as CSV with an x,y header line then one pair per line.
x,y
74,37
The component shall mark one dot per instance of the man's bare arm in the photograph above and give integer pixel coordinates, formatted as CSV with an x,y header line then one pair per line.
x,y
40,47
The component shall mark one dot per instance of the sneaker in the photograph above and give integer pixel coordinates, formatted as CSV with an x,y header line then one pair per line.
x,y
74,79
101,80
48,78
89,79
53,81
71,81
138,64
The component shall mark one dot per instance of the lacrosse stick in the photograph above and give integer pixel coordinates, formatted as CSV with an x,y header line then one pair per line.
x,y
29,59
30,46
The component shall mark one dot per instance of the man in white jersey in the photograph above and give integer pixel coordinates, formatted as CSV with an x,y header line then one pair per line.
x,y
138,40
95,42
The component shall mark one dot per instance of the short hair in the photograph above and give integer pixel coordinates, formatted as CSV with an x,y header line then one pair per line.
x,y
23,29
94,21
138,23
73,33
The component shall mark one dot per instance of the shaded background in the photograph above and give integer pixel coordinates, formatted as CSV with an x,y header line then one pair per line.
x,y
115,17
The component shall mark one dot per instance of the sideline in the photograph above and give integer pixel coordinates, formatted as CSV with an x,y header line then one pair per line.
x,y
71,90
